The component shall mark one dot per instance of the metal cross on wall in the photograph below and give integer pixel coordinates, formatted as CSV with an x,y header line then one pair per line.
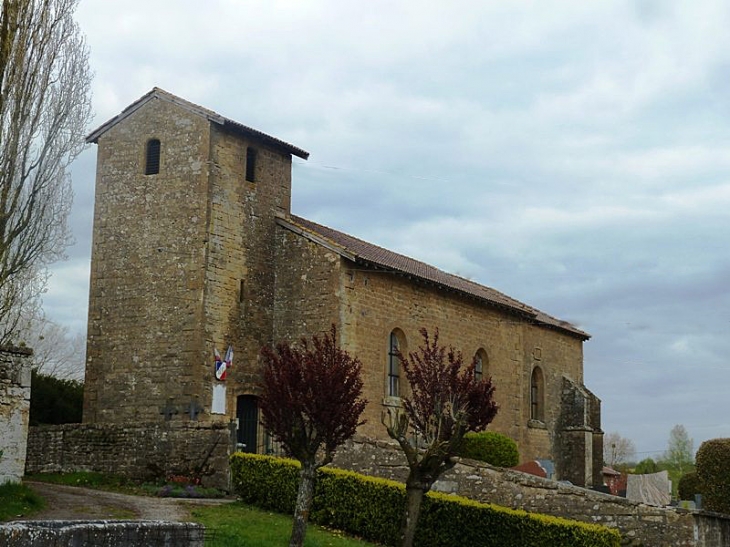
x,y
169,411
194,409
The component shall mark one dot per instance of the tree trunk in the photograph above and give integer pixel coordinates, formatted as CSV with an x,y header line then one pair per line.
x,y
414,497
304,503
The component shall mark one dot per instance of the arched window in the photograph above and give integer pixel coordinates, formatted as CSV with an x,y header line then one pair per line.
x,y
152,157
395,344
537,395
481,361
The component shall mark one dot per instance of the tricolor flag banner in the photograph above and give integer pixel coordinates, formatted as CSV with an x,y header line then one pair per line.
x,y
222,365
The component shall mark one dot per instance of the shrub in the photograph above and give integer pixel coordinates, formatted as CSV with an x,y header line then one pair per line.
x,y
713,470
269,483
372,508
55,401
493,448
689,485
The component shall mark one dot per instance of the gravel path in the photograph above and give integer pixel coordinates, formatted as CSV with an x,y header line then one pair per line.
x,y
74,503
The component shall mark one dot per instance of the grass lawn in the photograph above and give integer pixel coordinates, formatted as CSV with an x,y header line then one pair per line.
x,y
86,479
114,483
235,524
17,500
231,524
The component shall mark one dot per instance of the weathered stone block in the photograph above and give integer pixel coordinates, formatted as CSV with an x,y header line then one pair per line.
x,y
15,391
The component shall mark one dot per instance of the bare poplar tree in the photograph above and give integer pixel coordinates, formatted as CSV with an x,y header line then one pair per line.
x,y
45,106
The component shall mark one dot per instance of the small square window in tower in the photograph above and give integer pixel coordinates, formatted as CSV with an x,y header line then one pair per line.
x,y
250,164
152,158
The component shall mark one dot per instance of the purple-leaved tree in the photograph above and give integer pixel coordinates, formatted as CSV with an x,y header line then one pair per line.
x,y
446,402
311,402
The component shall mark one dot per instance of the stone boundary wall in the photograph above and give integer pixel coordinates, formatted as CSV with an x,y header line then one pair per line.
x,y
101,533
14,411
639,524
140,451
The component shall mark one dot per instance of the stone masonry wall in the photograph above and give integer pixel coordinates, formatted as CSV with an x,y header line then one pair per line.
x,y
14,411
315,287
182,262
240,271
307,288
140,451
149,245
102,533
374,303
639,524
580,459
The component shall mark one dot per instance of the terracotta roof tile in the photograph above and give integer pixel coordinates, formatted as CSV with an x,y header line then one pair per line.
x,y
361,251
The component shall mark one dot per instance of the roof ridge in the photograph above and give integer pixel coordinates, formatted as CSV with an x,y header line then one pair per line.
x,y
212,115
355,248
462,278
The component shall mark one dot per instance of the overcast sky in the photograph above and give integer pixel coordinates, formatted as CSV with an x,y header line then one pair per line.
x,y
575,155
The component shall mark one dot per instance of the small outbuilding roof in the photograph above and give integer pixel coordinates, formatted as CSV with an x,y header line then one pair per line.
x,y
359,251
214,117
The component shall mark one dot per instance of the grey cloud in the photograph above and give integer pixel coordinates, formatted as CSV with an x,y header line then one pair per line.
x,y
573,155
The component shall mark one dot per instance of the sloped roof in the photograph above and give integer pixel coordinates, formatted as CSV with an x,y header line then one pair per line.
x,y
214,117
357,250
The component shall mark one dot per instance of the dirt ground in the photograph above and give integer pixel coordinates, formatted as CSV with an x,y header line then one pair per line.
x,y
73,503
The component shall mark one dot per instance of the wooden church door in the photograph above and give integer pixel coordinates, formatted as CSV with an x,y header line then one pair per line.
x,y
247,412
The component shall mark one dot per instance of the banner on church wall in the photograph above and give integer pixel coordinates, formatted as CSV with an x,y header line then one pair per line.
x,y
223,364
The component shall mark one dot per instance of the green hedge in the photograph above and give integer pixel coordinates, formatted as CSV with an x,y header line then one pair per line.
x,y
713,469
689,485
54,401
372,508
491,447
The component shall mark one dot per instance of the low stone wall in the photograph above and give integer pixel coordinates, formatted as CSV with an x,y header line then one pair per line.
x,y
139,451
105,533
639,524
14,411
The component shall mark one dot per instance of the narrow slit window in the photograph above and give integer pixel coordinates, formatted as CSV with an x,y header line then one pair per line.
x,y
393,366
537,394
251,164
152,160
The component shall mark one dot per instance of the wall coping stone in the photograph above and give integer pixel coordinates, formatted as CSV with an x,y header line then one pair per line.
x,y
17,350
102,533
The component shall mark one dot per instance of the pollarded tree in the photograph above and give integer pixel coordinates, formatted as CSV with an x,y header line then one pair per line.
x,y
311,402
44,110
446,402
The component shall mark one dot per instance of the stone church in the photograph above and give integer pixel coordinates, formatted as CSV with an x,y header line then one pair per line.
x,y
195,248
